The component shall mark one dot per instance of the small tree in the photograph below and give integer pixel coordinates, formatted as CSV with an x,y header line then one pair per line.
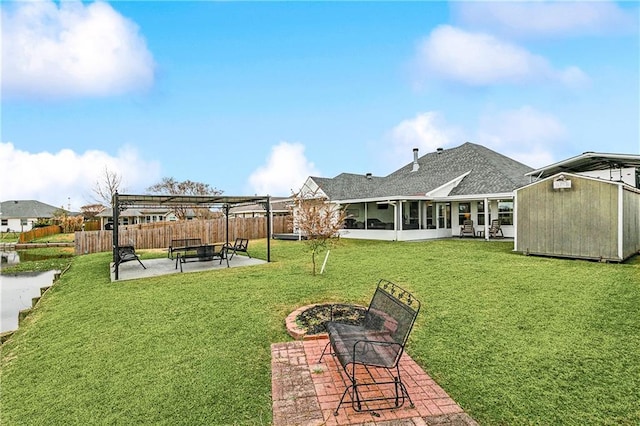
x,y
90,211
170,186
319,221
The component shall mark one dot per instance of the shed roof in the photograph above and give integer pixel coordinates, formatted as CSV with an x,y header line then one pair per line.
x,y
588,161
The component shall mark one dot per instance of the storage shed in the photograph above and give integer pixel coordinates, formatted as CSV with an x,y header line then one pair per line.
x,y
576,216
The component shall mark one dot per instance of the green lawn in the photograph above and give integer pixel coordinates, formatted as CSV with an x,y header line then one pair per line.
x,y
513,339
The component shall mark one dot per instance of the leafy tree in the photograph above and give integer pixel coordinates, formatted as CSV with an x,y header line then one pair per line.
x,y
170,186
318,221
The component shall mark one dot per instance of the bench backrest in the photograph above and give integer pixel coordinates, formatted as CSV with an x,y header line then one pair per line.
x,y
241,244
392,310
186,242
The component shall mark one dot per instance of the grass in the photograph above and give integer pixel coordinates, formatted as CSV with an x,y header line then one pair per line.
x,y
513,339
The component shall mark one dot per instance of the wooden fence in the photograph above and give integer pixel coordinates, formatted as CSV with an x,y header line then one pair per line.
x,y
42,232
160,234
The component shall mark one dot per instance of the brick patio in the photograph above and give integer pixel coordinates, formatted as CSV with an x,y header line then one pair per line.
x,y
307,393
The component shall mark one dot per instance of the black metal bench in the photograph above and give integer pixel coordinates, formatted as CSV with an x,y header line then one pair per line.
x,y
378,342
181,244
201,253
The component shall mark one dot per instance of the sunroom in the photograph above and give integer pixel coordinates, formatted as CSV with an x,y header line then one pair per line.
x,y
417,218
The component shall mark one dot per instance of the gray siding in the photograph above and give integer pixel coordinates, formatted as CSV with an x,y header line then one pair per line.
x,y
631,227
579,222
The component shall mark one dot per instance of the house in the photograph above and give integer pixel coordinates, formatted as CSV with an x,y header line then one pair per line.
x,y
135,216
585,207
429,197
21,215
280,206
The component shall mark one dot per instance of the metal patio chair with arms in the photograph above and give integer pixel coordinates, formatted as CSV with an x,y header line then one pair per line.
x,y
240,245
378,342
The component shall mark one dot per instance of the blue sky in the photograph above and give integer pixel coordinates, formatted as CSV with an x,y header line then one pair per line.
x,y
253,97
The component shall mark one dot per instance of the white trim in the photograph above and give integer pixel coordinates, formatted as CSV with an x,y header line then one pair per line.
x,y
452,183
515,221
620,222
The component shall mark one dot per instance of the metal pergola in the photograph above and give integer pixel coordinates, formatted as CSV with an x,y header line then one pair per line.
x,y
224,202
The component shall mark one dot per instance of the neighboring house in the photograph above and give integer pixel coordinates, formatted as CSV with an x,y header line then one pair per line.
x,y
136,216
429,197
587,207
21,215
280,206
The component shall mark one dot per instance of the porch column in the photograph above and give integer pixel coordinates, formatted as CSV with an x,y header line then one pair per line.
x,y
486,219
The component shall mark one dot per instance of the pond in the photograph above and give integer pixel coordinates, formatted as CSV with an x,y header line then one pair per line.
x,y
16,291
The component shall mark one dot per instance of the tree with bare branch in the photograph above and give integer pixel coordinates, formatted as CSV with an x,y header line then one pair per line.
x,y
318,221
170,186
108,184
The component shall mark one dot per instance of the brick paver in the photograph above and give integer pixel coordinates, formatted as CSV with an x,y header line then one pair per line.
x,y
306,392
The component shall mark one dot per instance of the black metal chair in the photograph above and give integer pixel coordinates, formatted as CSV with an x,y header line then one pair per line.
x,y
377,343
126,254
240,245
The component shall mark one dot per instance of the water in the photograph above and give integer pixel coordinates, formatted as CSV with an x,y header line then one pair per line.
x,y
16,292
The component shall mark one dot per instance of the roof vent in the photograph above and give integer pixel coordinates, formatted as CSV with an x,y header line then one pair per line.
x,y
416,166
439,150
368,175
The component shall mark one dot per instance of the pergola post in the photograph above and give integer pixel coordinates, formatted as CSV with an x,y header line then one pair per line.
x,y
116,219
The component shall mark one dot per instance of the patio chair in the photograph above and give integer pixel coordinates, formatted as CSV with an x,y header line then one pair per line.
x,y
240,245
467,229
377,343
126,254
495,229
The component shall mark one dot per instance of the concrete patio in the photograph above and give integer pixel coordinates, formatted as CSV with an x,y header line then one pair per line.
x,y
165,266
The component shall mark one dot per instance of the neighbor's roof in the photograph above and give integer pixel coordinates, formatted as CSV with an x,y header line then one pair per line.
x,y
588,161
278,204
488,173
27,209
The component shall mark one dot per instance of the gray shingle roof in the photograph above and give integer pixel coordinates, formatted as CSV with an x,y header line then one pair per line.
x,y
489,173
26,209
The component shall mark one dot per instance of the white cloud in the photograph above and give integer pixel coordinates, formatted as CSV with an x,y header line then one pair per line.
x,y
479,59
524,134
286,170
427,131
548,18
71,49
53,178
